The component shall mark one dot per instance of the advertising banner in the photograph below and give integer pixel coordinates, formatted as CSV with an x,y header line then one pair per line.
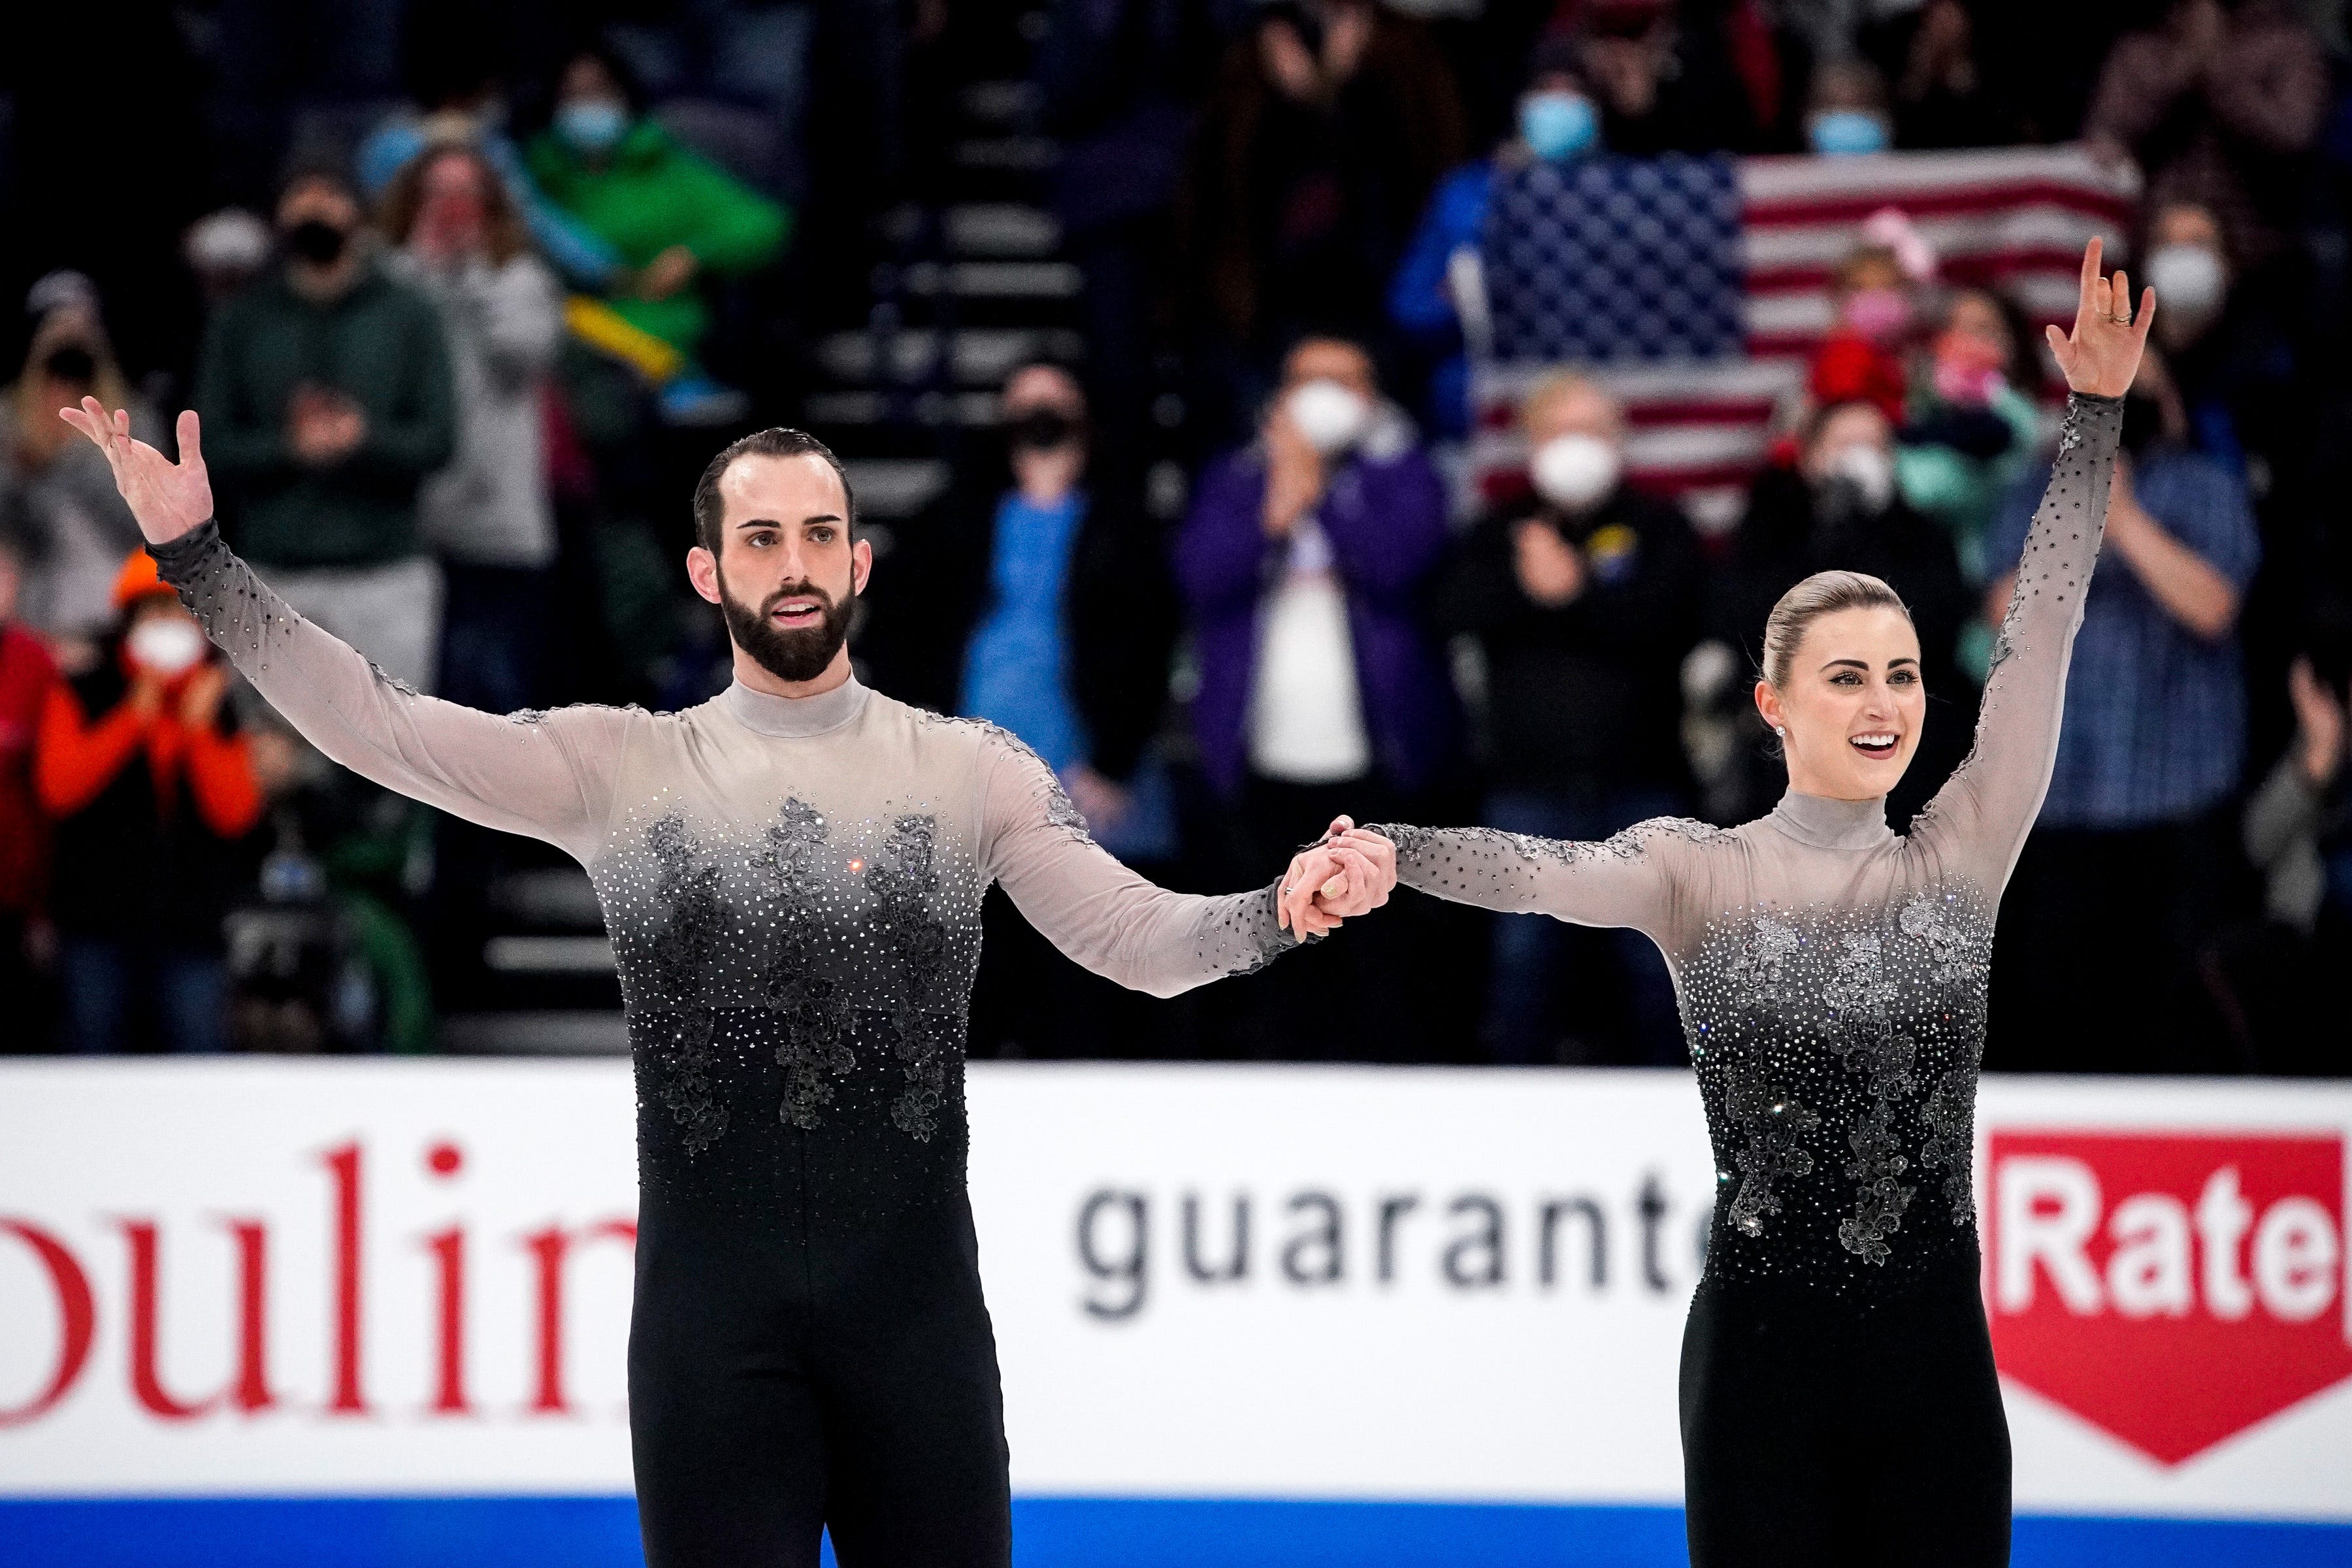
x,y
1244,1315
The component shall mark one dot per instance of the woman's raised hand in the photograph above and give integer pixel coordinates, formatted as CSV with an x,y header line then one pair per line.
x,y
167,498
2101,356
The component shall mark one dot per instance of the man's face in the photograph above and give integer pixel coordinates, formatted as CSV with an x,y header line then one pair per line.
x,y
786,569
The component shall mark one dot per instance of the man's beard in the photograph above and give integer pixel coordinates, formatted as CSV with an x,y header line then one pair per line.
x,y
798,654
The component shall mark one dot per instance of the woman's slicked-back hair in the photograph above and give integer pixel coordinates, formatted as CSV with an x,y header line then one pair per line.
x,y
709,511
1823,594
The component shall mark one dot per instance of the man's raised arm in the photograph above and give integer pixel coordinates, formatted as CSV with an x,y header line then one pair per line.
x,y
549,776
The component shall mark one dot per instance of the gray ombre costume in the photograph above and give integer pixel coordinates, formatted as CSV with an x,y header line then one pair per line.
x,y
1838,1394
793,891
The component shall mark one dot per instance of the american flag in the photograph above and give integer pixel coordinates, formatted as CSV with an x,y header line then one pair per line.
x,y
2015,219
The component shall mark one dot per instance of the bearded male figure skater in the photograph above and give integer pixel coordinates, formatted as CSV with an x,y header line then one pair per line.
x,y
792,874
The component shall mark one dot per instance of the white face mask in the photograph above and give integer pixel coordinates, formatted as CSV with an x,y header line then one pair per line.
x,y
2188,278
1575,470
1871,470
1331,417
167,646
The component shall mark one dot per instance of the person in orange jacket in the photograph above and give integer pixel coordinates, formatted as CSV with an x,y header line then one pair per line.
x,y
140,765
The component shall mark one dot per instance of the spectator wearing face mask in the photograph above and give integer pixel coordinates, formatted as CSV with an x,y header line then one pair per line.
x,y
1037,595
458,239
2228,349
2123,862
1583,597
1557,122
2218,103
57,494
672,216
1862,358
1973,430
1845,112
141,767
1308,566
1839,508
26,674
327,401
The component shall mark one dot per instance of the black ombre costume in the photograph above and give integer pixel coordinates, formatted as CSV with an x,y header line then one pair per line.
x,y
793,891
1838,1395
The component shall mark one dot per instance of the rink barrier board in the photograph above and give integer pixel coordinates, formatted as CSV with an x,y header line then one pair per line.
x,y
1048,1533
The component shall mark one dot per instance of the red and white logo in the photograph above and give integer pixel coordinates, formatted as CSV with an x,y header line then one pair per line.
x,y
2173,1289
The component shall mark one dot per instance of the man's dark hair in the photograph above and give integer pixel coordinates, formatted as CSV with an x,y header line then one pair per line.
x,y
775,442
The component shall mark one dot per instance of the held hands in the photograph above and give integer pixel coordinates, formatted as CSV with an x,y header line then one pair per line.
x,y
1350,872
167,498
1550,569
2101,356
1294,473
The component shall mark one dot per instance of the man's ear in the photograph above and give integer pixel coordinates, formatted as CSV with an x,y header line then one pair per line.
x,y
702,570
861,566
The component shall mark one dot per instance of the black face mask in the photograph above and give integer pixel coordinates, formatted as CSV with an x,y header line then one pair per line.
x,y
2143,424
794,656
316,241
1041,429
72,363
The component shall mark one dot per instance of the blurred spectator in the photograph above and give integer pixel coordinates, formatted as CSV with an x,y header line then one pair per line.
x,y
1309,565
1037,595
2299,829
1839,508
1330,122
2216,102
140,764
1557,121
465,106
1861,359
1680,76
1584,598
2228,351
56,493
488,515
671,216
326,396
2110,897
1845,113
1973,428
26,675
1944,96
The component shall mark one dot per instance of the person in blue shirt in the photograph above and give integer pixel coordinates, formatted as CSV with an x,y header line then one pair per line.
x,y
1036,593
2124,860
1556,120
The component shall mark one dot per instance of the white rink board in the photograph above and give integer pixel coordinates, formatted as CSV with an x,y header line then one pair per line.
x,y
1426,1383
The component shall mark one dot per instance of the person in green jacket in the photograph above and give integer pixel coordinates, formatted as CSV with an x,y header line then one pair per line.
x,y
327,399
671,214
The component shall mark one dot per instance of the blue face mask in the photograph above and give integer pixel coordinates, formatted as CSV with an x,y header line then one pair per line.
x,y
1840,131
1558,125
592,125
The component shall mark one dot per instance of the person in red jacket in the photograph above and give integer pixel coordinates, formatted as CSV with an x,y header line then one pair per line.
x,y
26,675
139,766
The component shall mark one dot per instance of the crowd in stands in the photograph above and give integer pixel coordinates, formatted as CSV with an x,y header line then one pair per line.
x,y
465,295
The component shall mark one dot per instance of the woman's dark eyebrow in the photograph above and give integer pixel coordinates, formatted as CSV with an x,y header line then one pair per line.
x,y
1864,664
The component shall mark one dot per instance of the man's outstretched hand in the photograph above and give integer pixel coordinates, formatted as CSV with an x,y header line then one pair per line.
x,y
1351,872
167,498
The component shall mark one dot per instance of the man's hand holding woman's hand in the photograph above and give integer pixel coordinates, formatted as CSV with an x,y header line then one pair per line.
x,y
1350,872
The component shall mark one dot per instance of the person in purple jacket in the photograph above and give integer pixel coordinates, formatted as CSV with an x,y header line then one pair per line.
x,y
1307,568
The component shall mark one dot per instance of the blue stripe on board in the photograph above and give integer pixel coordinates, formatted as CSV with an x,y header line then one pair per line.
x,y
1049,1532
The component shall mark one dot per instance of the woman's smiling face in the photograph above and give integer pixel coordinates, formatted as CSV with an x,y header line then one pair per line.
x,y
1852,704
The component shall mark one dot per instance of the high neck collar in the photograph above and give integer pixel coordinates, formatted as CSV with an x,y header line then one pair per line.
x,y
796,718
1828,824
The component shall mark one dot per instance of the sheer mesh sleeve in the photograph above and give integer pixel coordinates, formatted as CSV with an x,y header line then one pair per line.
x,y
549,775
1630,879
1098,912
1979,820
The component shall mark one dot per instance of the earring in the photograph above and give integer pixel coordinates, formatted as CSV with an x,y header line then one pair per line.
x,y
1781,732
